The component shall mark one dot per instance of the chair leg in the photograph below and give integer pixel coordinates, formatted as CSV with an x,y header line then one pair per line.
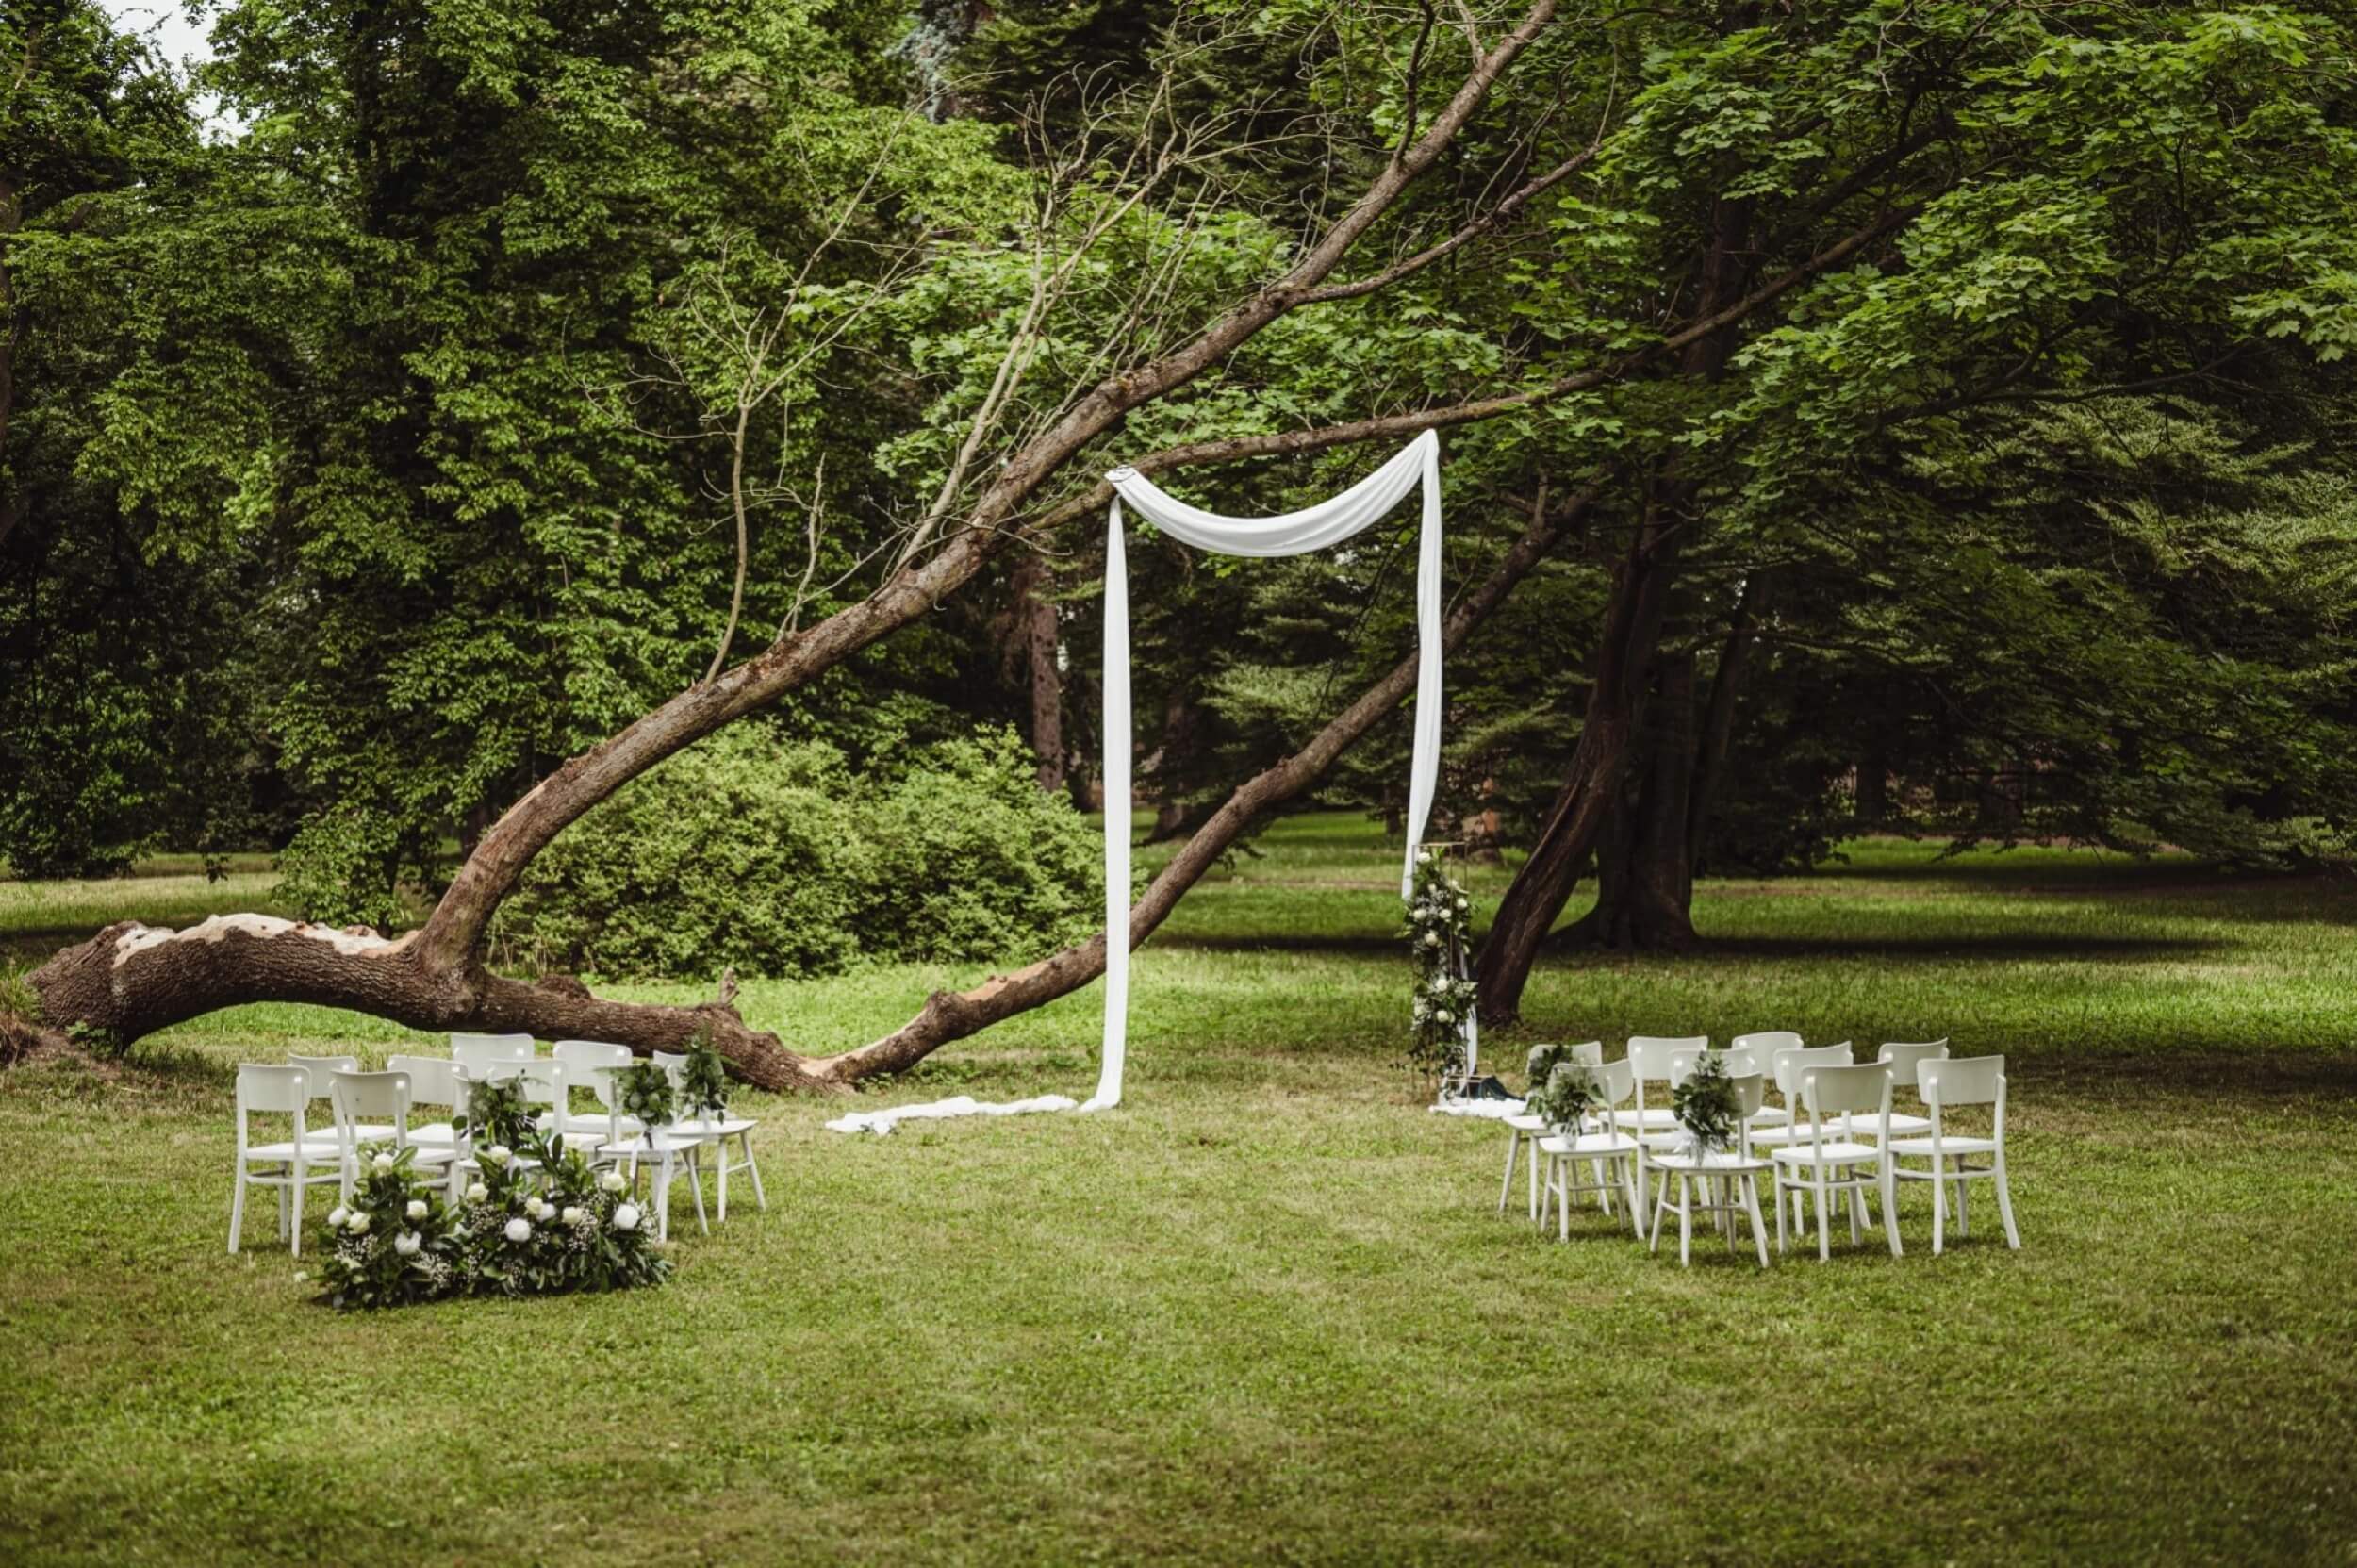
x,y
752,1168
695,1185
1964,1201
661,1180
1686,1219
1890,1206
1530,1169
294,1232
236,1208
1857,1203
1775,1195
1506,1183
1940,1205
1824,1243
720,1148
2004,1203
1660,1202
1750,1207
1627,1167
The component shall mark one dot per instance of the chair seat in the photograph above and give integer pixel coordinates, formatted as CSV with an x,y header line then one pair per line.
x,y
1592,1145
433,1135
664,1142
365,1132
1832,1153
724,1127
1903,1125
323,1155
595,1123
1946,1145
1528,1124
1710,1165
1652,1119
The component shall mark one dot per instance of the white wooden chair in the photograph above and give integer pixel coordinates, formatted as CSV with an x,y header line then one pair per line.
x,y
1904,1057
1762,1046
383,1096
1948,1083
585,1063
1653,1125
717,1130
665,1155
287,1166
477,1053
323,1071
1522,1129
433,1086
1730,1177
1821,1163
1609,1155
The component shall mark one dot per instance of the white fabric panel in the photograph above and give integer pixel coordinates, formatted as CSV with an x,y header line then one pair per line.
x,y
963,1105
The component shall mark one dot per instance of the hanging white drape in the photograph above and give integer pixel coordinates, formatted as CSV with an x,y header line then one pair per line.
x,y
1317,527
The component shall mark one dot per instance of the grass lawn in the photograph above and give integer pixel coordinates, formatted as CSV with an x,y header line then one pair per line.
x,y
1266,1310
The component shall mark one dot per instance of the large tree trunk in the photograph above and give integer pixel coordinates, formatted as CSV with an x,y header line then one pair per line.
x,y
129,980
1032,653
1644,880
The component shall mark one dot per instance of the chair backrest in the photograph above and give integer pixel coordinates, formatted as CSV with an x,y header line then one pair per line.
x,y
1614,1080
370,1096
674,1065
543,1079
274,1090
1764,1046
1649,1054
1950,1082
1845,1091
1904,1057
476,1051
1587,1053
1683,1062
1789,1065
433,1079
323,1069
584,1063
1751,1093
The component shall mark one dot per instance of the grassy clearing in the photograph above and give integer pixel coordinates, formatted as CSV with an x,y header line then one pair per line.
x,y
1265,1310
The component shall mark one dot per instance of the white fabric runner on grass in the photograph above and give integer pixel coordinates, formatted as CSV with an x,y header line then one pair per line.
x,y
1319,527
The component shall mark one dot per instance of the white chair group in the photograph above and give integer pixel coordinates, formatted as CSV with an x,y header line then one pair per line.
x,y
1837,1137
373,1109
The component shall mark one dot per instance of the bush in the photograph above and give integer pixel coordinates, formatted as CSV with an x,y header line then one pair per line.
x,y
776,858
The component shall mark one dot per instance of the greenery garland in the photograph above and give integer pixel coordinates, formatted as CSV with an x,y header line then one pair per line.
x,y
1706,1105
643,1090
497,1112
1439,933
1566,1096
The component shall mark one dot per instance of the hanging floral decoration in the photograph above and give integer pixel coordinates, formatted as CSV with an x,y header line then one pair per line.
x,y
1439,943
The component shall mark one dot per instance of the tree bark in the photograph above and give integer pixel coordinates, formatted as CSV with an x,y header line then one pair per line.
x,y
1031,646
1645,879
1717,726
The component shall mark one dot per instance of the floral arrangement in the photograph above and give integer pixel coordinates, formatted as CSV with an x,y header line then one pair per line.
x,y
497,1112
1566,1096
703,1082
644,1090
573,1229
1706,1105
1439,933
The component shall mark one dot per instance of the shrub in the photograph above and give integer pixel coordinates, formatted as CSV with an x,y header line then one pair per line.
x,y
777,858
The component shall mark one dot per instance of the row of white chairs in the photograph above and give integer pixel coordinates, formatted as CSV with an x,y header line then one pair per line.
x,y
372,1110
1836,1136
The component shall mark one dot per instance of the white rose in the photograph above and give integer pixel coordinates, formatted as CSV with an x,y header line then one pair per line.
x,y
477,1192
1431,939
357,1223
612,1181
626,1217
337,1215
519,1231
1461,904
498,1153
407,1242
417,1208
383,1161
571,1215
1424,857
1445,1016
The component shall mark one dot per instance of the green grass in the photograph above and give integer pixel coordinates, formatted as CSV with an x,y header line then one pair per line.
x,y
1265,1311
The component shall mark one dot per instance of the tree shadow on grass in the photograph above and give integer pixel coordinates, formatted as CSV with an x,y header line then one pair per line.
x,y
1994,947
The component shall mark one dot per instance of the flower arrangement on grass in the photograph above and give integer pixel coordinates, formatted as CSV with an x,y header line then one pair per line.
x,y
1439,933
1705,1106
389,1242
703,1082
513,1232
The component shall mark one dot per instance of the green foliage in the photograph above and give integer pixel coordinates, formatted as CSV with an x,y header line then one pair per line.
x,y
643,1090
496,1114
345,866
778,859
703,1080
1439,930
391,1243
1706,1105
1566,1096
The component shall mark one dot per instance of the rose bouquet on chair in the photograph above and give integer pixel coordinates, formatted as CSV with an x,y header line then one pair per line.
x,y
390,1241
643,1090
1438,928
1707,1108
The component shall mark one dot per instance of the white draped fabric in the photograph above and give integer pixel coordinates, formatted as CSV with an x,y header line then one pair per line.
x,y
1319,527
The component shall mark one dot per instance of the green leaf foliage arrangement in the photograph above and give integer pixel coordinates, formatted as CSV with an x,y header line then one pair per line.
x,y
1568,1095
1706,1105
644,1090
496,1112
703,1080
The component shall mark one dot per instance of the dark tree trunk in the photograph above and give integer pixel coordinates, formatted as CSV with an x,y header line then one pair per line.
x,y
1182,721
1718,725
1645,880
1031,650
